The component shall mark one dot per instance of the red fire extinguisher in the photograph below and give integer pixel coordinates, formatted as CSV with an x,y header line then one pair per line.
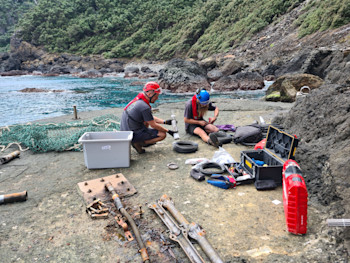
x,y
294,198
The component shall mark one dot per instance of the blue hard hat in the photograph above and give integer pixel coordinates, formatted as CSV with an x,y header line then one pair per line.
x,y
203,97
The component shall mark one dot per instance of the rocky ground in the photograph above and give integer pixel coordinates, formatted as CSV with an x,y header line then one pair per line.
x,y
243,224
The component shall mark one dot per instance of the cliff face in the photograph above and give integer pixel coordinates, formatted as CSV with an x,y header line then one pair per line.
x,y
277,50
10,12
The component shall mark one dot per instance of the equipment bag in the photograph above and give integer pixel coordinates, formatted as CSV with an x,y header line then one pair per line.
x,y
249,134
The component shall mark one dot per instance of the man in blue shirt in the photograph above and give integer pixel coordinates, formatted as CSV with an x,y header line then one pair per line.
x,y
195,109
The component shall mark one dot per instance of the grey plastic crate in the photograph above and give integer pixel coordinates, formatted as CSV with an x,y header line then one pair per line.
x,y
106,149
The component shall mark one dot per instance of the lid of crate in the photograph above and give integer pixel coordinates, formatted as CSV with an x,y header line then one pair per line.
x,y
280,144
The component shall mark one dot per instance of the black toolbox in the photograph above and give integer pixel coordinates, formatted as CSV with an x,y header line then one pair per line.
x,y
280,146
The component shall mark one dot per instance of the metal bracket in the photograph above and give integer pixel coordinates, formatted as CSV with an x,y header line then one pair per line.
x,y
95,189
124,225
177,234
192,230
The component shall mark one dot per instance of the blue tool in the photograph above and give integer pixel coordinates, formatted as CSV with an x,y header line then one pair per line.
x,y
222,181
258,162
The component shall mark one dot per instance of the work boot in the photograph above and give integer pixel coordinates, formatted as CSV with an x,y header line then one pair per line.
x,y
138,147
213,140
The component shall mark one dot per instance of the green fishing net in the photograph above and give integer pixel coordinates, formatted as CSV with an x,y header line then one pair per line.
x,y
46,137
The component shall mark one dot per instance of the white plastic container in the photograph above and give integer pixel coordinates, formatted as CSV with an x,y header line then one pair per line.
x,y
106,149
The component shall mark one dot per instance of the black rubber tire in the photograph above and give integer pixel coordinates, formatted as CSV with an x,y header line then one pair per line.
x,y
185,146
248,143
223,137
215,168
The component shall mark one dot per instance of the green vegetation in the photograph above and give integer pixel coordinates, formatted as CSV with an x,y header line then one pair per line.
x,y
322,15
160,29
10,11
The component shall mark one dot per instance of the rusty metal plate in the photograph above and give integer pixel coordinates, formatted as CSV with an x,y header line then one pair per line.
x,y
95,189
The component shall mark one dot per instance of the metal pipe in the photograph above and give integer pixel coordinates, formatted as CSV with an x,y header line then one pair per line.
x,y
119,206
338,222
11,198
9,157
194,230
198,233
170,206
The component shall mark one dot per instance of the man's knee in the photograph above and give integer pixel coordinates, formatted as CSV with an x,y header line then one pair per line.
x,y
199,131
161,135
211,128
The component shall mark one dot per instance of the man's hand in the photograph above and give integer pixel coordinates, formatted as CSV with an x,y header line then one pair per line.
x,y
202,123
171,132
212,120
167,122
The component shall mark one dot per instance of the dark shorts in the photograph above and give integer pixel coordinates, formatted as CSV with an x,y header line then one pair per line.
x,y
192,127
144,134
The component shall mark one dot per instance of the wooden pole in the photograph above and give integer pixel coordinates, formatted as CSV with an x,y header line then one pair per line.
x,y
75,112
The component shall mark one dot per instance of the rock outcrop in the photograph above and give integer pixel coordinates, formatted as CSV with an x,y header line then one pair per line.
x,y
180,75
286,87
322,122
240,81
27,58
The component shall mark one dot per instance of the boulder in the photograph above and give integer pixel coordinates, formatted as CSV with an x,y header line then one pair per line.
x,y
231,66
241,80
288,85
208,63
180,75
92,73
249,80
116,67
131,75
148,75
226,83
132,70
146,69
56,69
214,75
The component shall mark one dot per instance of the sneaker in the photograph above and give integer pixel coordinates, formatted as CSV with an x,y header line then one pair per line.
x,y
213,140
138,147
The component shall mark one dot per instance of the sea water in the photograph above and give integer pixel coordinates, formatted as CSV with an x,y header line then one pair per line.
x,y
64,92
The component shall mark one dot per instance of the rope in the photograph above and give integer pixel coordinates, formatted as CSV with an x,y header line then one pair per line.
x,y
4,148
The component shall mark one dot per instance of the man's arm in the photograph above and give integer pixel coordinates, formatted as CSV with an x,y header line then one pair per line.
x,y
156,126
158,120
216,114
193,121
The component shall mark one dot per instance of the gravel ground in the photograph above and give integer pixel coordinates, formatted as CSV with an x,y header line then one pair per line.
x,y
242,224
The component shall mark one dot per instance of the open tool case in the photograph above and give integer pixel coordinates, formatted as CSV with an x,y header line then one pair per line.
x,y
280,146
